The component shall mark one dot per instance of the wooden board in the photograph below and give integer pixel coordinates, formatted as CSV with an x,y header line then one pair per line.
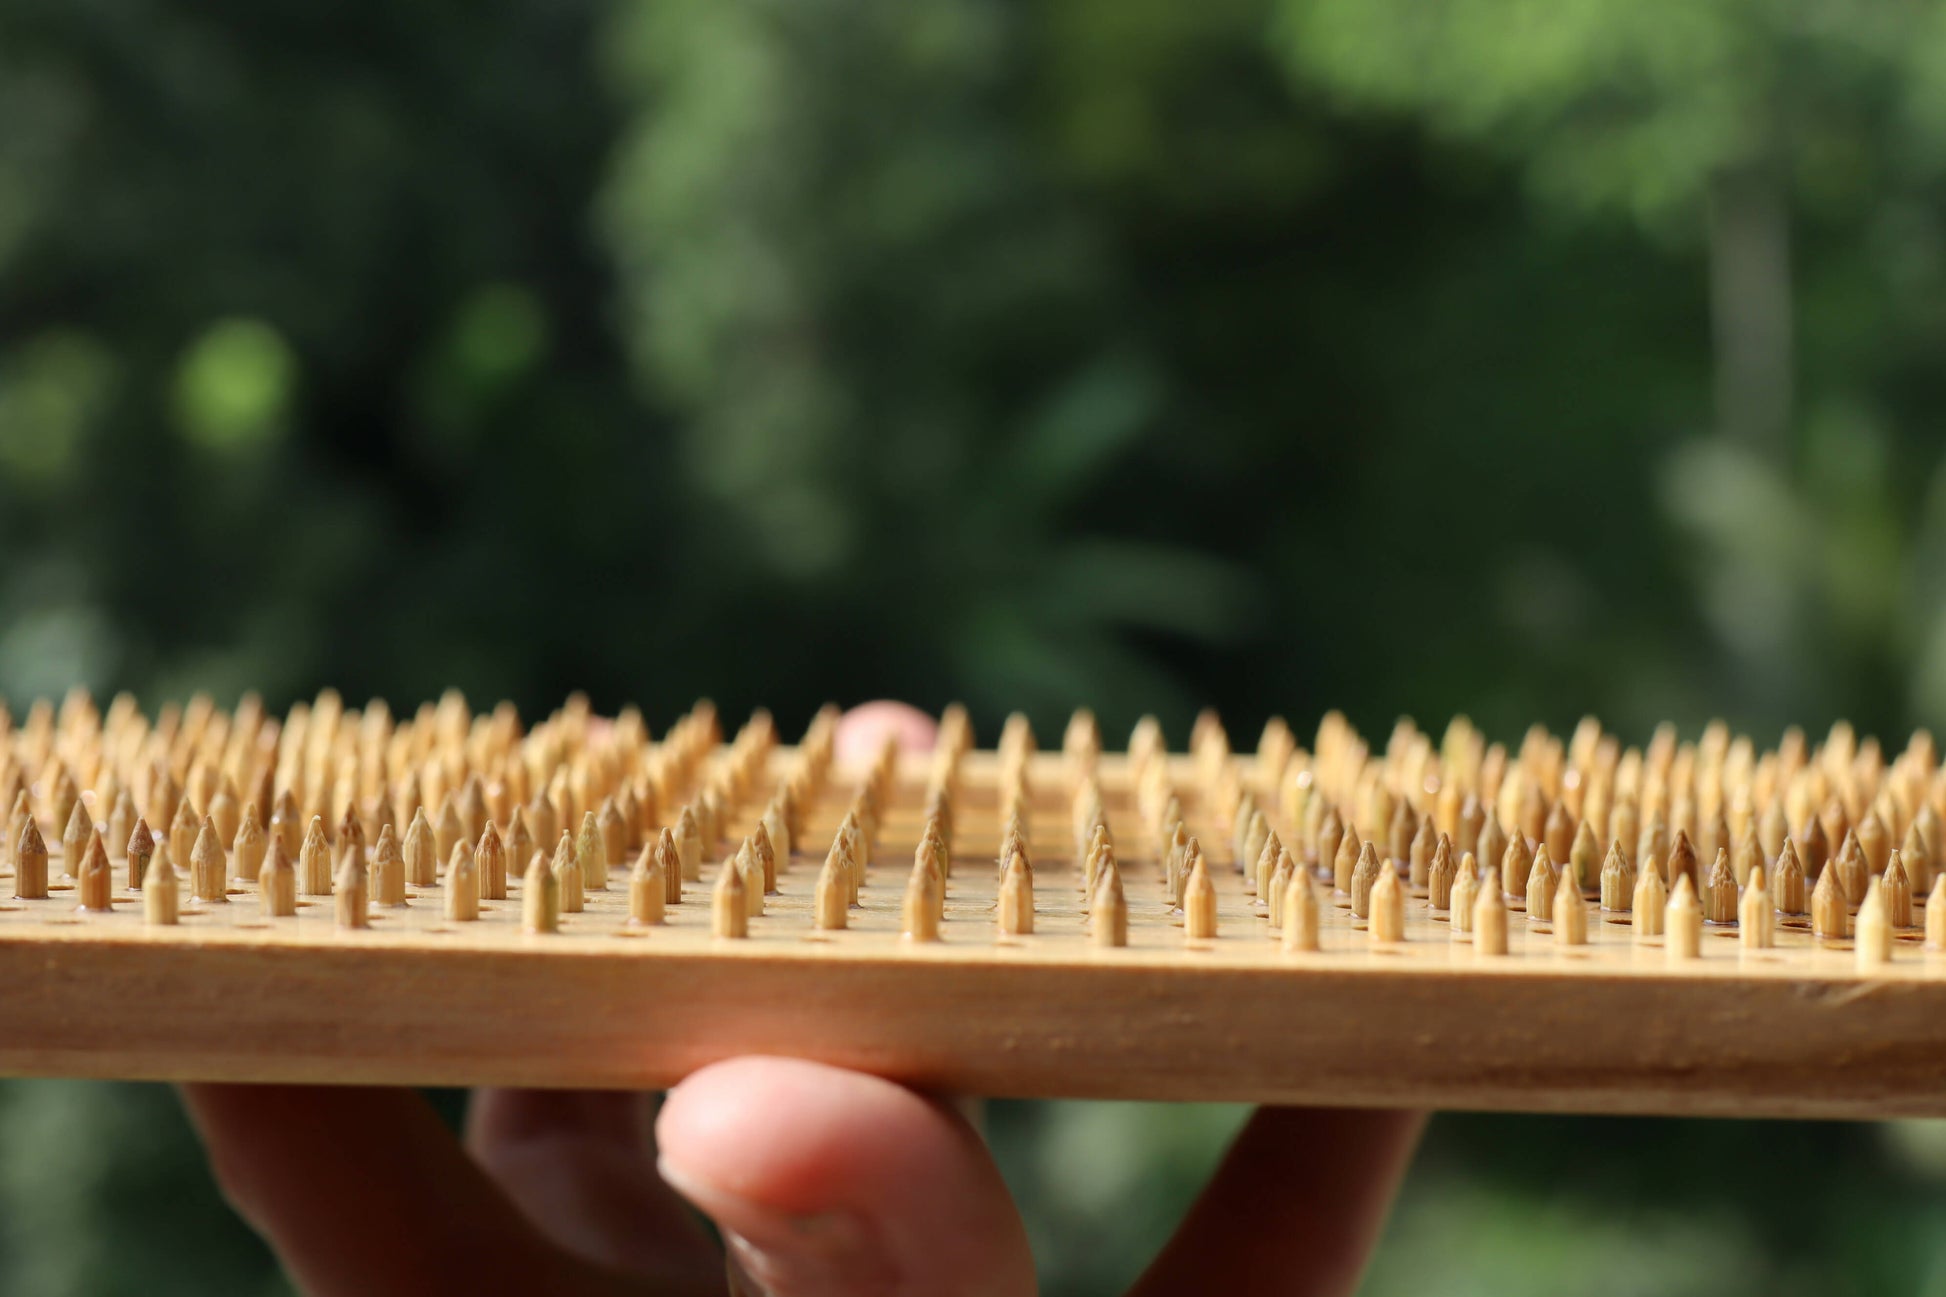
x,y
1613,1026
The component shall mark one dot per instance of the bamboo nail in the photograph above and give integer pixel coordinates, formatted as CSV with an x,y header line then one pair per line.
x,y
1682,920
287,823
1302,913
1199,904
1917,858
141,848
1756,917
591,854
1174,859
351,829
490,864
1345,863
96,880
1773,827
1425,843
472,808
1647,905
831,900
1584,859
1265,865
462,884
569,890
1558,832
30,862
1873,941
74,839
920,910
614,838
538,815
857,849
421,852
1363,876
1652,850
1098,842
351,899
1017,897
121,820
314,861
1682,863
387,870
1852,869
1570,913
1280,881
1617,881
541,888
1897,890
1472,823
1388,906
1874,842
1490,919
1108,910
448,828
1440,874
1466,891
1830,915
225,811
165,802
1330,840
209,867
1542,881
647,892
1786,882
764,852
160,897
689,845
277,881
1719,900
1749,855
1814,850
671,865
1516,866
776,826
247,843
518,841
753,878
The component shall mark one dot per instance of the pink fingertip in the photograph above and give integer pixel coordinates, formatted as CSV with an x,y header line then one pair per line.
x,y
862,731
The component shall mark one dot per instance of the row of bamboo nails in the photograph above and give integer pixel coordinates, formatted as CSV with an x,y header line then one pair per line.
x,y
1447,809
1444,810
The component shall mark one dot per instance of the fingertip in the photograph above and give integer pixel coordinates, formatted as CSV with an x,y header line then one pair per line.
x,y
862,731
786,1132
828,1180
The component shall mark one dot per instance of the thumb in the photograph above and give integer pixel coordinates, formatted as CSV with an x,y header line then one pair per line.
x,y
828,1183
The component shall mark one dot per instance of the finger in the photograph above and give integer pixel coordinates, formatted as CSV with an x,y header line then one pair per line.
x,y
365,1193
862,731
1295,1208
828,1183
581,1165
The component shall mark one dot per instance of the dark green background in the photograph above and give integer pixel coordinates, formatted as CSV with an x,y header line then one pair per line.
x,y
1275,354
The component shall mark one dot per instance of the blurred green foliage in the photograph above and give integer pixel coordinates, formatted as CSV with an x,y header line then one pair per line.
x,y
1280,354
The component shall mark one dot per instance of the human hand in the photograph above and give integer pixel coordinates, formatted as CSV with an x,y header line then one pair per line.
x,y
823,1182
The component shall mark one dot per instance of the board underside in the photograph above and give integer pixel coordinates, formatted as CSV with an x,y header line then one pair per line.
x,y
1613,1026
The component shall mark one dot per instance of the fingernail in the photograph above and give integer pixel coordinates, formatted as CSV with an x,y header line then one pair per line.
x,y
772,1253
